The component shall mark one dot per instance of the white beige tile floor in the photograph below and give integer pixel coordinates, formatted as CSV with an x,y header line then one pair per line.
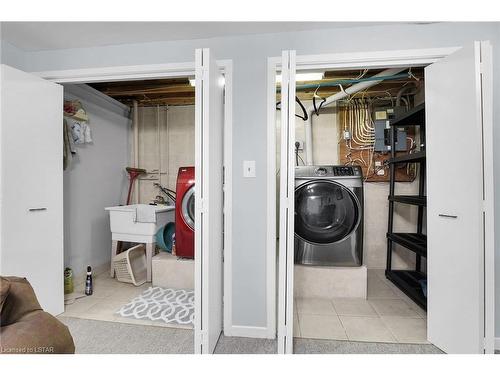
x,y
388,315
108,297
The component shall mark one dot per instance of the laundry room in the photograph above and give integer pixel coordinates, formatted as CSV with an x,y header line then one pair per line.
x,y
129,239
360,258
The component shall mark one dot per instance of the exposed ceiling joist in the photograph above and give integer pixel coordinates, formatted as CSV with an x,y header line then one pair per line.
x,y
178,91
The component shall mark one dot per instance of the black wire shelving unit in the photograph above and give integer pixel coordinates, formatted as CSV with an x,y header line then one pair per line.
x,y
409,281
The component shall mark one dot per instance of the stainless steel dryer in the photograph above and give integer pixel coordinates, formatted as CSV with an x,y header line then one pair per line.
x,y
329,215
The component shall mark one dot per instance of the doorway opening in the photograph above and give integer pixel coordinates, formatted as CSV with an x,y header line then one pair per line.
x,y
317,200
210,91
149,126
342,180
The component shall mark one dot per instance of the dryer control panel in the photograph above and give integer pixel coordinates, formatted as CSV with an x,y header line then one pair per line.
x,y
343,171
328,171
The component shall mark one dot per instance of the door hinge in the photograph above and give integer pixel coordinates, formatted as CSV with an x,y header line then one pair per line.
x,y
481,67
201,204
201,338
484,205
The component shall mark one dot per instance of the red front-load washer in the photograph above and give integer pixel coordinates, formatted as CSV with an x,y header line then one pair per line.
x,y
184,213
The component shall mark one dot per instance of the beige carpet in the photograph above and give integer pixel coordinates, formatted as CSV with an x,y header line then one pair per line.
x,y
94,336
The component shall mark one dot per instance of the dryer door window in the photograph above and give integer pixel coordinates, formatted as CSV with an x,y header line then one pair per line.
x,y
188,207
325,212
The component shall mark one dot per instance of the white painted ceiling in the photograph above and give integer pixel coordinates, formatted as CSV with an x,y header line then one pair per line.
x,y
36,36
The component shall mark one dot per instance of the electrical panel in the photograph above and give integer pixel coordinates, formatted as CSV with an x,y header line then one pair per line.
x,y
383,132
374,160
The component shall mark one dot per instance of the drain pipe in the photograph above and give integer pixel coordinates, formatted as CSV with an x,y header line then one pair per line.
x,y
338,96
135,125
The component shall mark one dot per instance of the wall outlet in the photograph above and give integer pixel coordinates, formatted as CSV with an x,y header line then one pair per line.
x,y
249,168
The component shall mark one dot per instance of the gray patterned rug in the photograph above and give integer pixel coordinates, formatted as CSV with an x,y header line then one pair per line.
x,y
170,306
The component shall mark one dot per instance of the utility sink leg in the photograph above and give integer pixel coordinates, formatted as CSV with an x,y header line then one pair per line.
x,y
150,247
114,252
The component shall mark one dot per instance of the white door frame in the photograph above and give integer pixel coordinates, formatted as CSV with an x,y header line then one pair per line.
x,y
376,59
154,71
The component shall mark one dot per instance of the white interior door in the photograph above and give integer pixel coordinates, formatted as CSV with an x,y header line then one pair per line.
x,y
287,202
209,125
32,184
459,198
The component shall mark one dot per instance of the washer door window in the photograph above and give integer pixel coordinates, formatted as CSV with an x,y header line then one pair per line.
x,y
325,212
188,207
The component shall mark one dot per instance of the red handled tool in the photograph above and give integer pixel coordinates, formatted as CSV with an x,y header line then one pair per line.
x,y
133,173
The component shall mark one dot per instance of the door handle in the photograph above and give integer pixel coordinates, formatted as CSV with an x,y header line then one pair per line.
x,y
448,216
37,209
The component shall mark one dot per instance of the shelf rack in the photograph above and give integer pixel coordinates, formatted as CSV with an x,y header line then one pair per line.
x,y
409,281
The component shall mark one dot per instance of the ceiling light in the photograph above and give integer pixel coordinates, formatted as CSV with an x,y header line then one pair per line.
x,y
222,81
302,77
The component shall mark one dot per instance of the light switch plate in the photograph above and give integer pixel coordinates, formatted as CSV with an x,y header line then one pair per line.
x,y
249,168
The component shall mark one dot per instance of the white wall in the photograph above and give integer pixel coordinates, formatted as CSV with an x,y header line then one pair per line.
x,y
324,136
11,55
176,148
95,180
249,54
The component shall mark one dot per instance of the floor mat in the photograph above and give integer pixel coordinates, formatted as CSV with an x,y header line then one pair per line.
x,y
171,306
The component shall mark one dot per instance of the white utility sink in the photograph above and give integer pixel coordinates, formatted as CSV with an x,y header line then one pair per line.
x,y
138,222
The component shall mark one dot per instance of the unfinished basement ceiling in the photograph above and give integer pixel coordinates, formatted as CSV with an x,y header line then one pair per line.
x,y
384,87
172,91
178,91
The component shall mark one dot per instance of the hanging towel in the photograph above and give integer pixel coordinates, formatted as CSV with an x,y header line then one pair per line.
x,y
67,149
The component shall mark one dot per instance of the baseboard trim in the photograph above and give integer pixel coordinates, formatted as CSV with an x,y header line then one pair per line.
x,y
249,331
497,343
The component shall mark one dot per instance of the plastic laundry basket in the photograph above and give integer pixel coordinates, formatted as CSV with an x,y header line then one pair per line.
x,y
130,265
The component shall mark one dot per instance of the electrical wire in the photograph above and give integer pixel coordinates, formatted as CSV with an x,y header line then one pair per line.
x,y
315,95
168,192
304,116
